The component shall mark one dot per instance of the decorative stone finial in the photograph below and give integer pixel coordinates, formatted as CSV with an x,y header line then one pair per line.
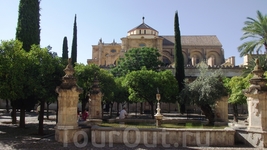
x,y
69,81
258,72
95,88
257,82
69,68
143,19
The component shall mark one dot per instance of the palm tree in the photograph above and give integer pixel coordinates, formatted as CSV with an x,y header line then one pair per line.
x,y
256,29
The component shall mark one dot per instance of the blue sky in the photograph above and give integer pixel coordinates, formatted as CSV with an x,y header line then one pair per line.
x,y
110,20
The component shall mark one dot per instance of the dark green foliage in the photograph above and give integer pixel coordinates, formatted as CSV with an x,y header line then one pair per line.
x,y
27,77
74,43
65,51
86,74
135,59
235,87
179,59
142,86
28,27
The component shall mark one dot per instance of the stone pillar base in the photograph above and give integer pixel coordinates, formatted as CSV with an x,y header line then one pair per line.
x,y
252,138
68,134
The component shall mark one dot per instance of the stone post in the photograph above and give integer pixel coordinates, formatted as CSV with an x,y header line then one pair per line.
x,y
68,96
256,99
257,108
158,116
95,103
221,110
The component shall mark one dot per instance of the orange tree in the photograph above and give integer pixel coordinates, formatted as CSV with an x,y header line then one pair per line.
x,y
142,86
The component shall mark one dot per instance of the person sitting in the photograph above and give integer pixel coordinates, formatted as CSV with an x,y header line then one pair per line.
x,y
84,115
123,113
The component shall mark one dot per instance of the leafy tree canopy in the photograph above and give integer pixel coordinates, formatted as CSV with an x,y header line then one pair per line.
x,y
135,59
86,74
235,87
12,67
207,88
143,84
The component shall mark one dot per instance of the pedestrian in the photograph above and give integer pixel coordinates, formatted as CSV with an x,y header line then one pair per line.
x,y
38,111
123,113
84,115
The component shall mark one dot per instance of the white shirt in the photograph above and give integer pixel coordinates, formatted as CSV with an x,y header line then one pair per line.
x,y
123,113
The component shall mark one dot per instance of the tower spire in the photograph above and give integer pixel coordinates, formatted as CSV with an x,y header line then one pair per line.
x,y
143,19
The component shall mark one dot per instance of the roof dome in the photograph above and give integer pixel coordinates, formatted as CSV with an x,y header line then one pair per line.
x,y
143,29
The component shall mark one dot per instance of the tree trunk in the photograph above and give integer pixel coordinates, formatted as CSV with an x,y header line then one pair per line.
x,y
14,115
47,110
235,114
22,118
118,109
57,113
152,110
84,101
136,109
182,108
7,106
41,118
141,109
111,106
206,109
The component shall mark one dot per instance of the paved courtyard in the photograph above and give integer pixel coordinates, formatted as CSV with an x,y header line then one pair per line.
x,y
12,137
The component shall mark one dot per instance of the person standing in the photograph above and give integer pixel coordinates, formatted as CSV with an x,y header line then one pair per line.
x,y
38,111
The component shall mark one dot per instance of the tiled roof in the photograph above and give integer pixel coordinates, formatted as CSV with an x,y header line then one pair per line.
x,y
142,26
193,40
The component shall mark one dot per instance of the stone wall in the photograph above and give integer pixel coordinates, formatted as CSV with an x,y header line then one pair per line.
x,y
166,137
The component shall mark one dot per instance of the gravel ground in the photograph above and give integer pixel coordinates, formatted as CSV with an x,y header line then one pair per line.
x,y
14,138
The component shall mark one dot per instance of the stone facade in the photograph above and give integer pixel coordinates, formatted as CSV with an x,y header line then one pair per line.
x,y
195,48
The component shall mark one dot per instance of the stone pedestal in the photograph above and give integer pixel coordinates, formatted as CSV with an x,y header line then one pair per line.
x,y
95,102
257,111
68,96
67,134
221,110
257,108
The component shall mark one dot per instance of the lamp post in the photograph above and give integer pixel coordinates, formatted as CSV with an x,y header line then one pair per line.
x,y
158,116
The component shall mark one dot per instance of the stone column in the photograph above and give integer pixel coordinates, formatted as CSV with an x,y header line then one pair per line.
x,y
95,103
256,100
221,110
68,96
257,108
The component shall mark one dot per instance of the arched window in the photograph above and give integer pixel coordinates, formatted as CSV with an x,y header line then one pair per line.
x,y
211,60
142,45
166,61
113,51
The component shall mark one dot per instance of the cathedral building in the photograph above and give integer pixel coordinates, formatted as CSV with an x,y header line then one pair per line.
x,y
196,48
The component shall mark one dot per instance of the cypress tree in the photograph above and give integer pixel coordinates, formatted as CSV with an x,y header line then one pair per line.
x,y
74,43
179,60
28,27
65,49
